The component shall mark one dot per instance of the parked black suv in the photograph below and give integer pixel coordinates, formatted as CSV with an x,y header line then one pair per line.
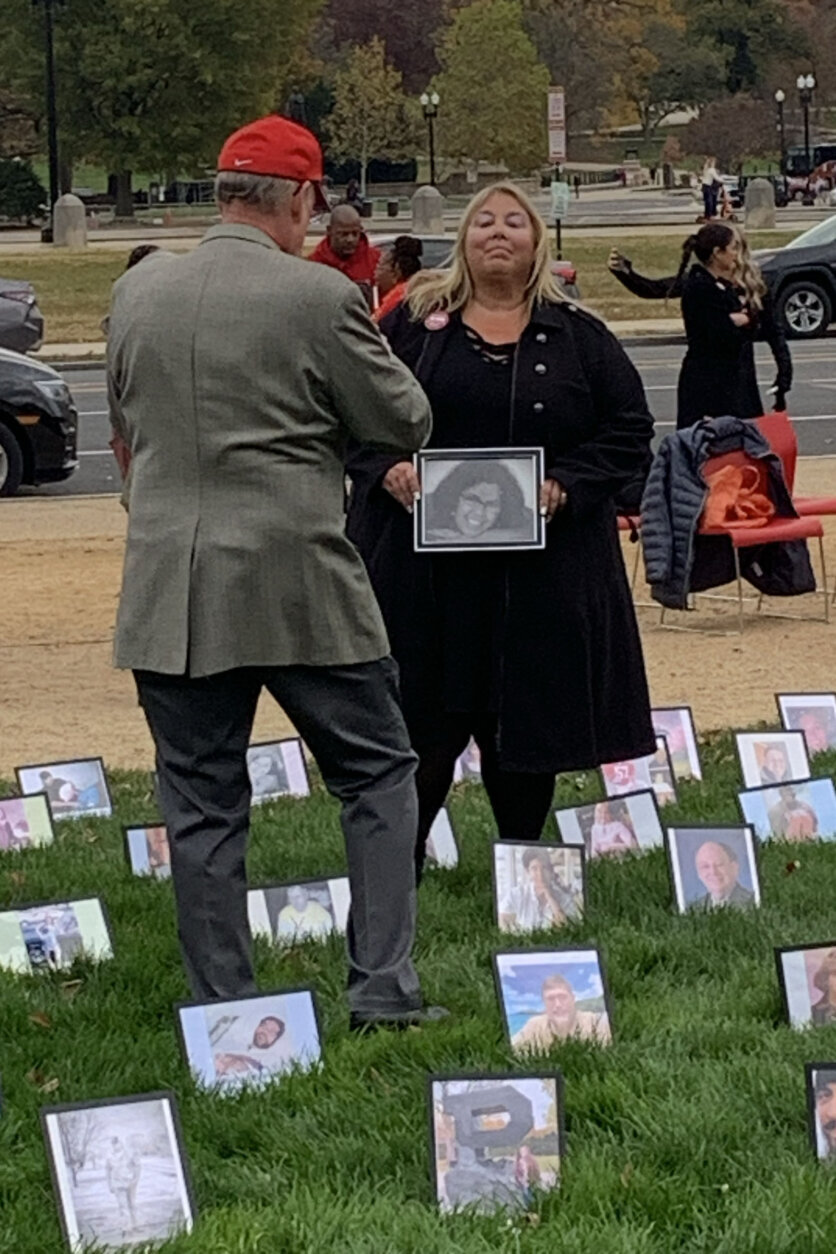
x,y
802,280
38,424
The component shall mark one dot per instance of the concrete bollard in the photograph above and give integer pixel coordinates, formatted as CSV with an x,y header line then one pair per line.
x,y
69,222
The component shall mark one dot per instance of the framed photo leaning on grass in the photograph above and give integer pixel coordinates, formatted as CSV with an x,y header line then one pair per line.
x,y
277,768
119,1171
303,910
50,935
495,1140
814,714
772,757
442,849
629,822
147,851
821,1108
25,822
636,774
537,886
807,975
804,810
76,789
713,867
676,724
479,499
250,1040
549,995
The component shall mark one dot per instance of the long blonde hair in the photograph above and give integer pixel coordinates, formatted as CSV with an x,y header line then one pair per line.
x,y
749,275
452,289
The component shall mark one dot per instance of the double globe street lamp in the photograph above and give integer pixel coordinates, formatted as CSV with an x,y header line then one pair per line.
x,y
430,100
806,85
780,97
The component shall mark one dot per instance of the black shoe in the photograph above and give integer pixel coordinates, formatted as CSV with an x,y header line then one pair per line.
x,y
398,1022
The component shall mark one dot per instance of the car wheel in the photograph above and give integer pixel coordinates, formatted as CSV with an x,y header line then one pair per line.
x,y
805,309
11,462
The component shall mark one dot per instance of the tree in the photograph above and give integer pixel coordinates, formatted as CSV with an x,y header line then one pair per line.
x,y
157,84
669,71
22,195
493,88
371,116
732,129
407,30
752,35
569,39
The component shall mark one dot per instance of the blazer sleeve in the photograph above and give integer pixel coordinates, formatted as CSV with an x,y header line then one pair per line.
x,y
597,470
378,399
706,312
649,289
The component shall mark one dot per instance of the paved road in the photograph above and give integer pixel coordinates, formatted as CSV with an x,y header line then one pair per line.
x,y
812,403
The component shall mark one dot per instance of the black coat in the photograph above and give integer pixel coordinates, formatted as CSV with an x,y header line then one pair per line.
x,y
718,373
765,327
573,692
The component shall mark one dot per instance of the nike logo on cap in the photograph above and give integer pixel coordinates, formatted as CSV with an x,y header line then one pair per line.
x,y
242,161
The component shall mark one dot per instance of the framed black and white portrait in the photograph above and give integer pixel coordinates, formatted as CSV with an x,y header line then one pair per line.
x,y
479,499
288,914
119,1171
76,789
622,824
538,886
713,867
245,1041
496,1141
277,768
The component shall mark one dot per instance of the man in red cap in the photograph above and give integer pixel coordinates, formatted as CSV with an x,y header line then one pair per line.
x,y
237,374
346,247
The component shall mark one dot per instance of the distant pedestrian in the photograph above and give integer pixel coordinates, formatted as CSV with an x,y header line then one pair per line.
x,y
576,183
353,196
710,186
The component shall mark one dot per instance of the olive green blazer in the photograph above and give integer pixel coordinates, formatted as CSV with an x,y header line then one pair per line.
x,y
237,375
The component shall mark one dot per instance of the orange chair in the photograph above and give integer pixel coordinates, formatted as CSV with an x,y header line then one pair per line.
x,y
777,530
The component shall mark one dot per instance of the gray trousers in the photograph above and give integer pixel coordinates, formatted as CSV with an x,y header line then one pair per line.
x,y
350,718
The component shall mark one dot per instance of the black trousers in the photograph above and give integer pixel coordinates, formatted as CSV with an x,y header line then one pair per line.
x,y
520,801
350,718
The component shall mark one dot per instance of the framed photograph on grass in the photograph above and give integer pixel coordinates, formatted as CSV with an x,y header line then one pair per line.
x,y
49,936
25,822
804,810
637,774
821,1108
468,766
713,867
496,1141
147,851
304,910
277,768
550,995
772,757
807,975
76,789
119,1171
676,724
618,825
441,847
250,1040
537,886
479,499
813,714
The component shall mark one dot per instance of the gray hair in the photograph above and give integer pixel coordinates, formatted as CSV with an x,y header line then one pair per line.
x,y
259,191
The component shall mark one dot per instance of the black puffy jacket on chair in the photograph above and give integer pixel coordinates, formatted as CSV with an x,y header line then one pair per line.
x,y
677,559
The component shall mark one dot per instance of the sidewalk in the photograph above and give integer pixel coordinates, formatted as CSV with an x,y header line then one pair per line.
x,y
642,330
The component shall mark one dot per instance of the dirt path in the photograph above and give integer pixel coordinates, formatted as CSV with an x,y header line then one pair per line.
x,y
60,566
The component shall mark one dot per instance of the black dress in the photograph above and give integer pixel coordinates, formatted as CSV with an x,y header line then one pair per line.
x,y
547,639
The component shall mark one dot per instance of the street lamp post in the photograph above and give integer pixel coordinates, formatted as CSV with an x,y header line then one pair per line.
x,y
51,111
780,97
806,85
429,103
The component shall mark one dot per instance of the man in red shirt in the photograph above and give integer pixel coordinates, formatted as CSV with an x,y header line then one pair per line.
x,y
346,247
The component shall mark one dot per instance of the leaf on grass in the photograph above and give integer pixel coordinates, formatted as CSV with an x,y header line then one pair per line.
x,y
92,839
17,878
792,866
378,1078
70,987
627,1175
50,1086
40,1019
42,1082
532,1219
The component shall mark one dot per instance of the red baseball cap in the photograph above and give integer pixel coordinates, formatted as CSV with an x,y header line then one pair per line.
x,y
278,147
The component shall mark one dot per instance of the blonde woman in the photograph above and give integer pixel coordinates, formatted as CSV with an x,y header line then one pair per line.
x,y
534,654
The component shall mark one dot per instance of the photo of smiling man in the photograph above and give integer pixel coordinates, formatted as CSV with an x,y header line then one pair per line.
x,y
713,867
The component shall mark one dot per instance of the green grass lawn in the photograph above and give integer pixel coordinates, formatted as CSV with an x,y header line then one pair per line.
x,y
687,1134
74,289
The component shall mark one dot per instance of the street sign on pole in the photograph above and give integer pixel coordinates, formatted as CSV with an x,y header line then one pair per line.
x,y
560,200
557,125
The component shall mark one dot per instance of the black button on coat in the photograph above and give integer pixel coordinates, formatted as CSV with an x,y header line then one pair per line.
x,y
573,688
